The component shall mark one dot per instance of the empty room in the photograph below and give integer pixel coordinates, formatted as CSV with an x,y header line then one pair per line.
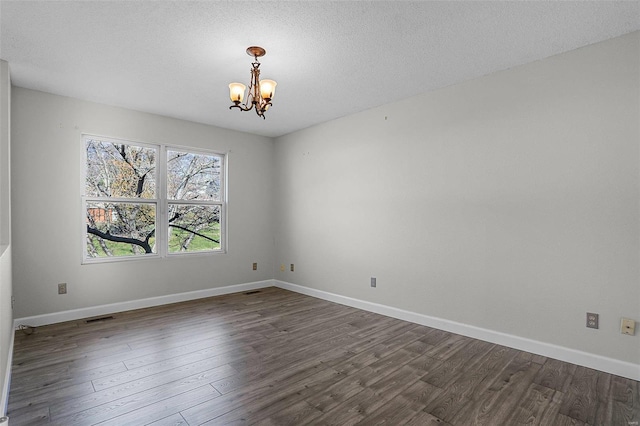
x,y
319,213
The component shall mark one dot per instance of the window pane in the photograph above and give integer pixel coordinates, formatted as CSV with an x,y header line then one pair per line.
x,y
119,170
193,228
120,229
193,176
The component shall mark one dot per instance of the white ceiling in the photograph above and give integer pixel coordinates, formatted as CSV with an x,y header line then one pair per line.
x,y
330,59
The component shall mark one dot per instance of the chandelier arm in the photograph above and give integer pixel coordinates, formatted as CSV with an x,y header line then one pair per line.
x,y
264,105
242,107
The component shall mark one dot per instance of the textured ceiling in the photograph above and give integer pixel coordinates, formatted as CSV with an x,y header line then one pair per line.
x,y
330,59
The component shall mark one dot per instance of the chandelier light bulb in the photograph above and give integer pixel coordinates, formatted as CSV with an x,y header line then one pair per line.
x,y
236,92
267,89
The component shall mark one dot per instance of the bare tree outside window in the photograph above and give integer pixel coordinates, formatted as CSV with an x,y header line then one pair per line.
x,y
122,201
191,180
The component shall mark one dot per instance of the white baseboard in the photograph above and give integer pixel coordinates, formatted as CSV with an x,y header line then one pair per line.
x,y
585,359
112,308
4,397
608,365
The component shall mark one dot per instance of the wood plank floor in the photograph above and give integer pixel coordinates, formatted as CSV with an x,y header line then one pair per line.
x,y
275,357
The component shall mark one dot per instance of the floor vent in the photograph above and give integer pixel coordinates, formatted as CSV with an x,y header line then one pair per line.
x,y
252,292
108,317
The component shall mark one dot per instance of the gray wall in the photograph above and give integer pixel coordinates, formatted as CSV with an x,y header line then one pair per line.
x,y
6,314
509,202
47,225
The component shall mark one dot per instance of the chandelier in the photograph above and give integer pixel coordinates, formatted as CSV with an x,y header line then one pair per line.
x,y
260,92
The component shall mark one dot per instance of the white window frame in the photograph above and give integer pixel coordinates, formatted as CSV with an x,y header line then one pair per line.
x,y
222,203
161,201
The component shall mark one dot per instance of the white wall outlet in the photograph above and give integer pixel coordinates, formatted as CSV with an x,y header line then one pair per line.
x,y
373,282
628,326
62,288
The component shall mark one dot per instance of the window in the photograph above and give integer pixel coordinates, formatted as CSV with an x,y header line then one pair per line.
x,y
194,198
150,200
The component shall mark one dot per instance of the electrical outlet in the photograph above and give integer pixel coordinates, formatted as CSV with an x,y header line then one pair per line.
x,y
282,267
62,288
373,282
592,320
255,266
628,326
292,267
13,301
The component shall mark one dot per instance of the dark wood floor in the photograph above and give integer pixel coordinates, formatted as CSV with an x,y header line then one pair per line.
x,y
279,358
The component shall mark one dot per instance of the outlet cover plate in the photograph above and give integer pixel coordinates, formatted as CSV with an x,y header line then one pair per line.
x,y
592,320
62,288
373,282
628,326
